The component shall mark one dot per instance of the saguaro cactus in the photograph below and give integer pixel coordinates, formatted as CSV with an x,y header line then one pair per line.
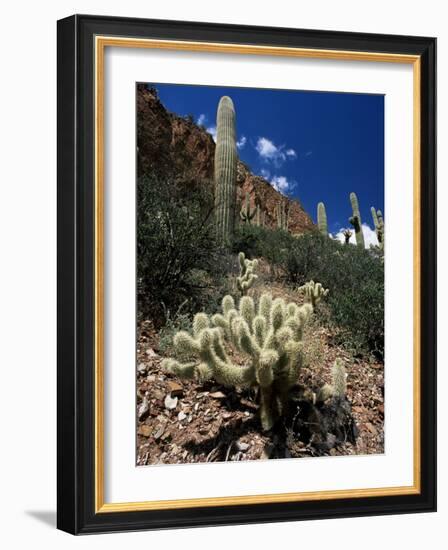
x,y
282,216
379,225
347,234
355,220
246,214
225,171
269,334
258,217
322,219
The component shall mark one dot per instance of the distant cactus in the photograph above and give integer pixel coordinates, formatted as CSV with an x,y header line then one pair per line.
x,y
225,171
246,214
282,216
247,276
259,217
355,220
379,226
322,219
313,292
347,234
269,333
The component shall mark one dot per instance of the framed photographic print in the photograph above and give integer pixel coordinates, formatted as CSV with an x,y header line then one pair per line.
x,y
246,274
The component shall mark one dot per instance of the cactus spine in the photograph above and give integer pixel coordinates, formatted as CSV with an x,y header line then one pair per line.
x,y
282,216
268,333
225,171
246,214
379,226
355,220
322,219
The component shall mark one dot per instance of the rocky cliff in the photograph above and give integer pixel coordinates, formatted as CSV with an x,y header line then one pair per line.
x,y
171,145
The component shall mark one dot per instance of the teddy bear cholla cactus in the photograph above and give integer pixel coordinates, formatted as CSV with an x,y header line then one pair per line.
x,y
247,276
268,333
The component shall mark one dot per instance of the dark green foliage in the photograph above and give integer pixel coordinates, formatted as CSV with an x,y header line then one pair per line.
x,y
355,278
178,258
256,242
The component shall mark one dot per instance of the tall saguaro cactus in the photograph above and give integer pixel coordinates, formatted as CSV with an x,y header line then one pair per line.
x,y
322,219
379,226
225,170
355,220
282,216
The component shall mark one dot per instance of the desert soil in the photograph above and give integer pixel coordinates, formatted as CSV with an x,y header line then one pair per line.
x,y
181,421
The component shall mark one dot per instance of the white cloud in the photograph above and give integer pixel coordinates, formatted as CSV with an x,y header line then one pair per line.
x,y
269,152
241,142
370,238
202,118
212,130
265,173
282,184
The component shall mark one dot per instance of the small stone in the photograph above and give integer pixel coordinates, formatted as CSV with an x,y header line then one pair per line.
x,y
217,395
145,430
150,378
141,368
246,413
181,416
196,407
144,408
151,353
170,402
242,446
159,432
175,388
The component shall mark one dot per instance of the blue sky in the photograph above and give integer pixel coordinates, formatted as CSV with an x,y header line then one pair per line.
x,y
313,146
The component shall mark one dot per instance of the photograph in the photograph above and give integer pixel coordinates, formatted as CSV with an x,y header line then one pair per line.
x,y
260,241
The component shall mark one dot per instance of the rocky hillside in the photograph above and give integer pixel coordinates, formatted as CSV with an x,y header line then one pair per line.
x,y
170,145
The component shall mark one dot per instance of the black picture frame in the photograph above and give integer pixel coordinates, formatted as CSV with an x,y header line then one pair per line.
x,y
76,255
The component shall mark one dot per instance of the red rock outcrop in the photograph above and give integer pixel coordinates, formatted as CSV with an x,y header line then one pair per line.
x,y
171,145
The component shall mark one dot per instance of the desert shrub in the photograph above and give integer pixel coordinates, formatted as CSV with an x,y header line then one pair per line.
x,y
178,258
255,242
355,277
172,324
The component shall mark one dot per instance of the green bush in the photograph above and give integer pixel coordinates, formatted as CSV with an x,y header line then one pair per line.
x,y
355,277
178,258
255,242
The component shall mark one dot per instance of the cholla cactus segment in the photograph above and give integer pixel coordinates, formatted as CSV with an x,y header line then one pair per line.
x,y
267,333
313,293
339,378
322,219
355,220
225,171
247,276
246,213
